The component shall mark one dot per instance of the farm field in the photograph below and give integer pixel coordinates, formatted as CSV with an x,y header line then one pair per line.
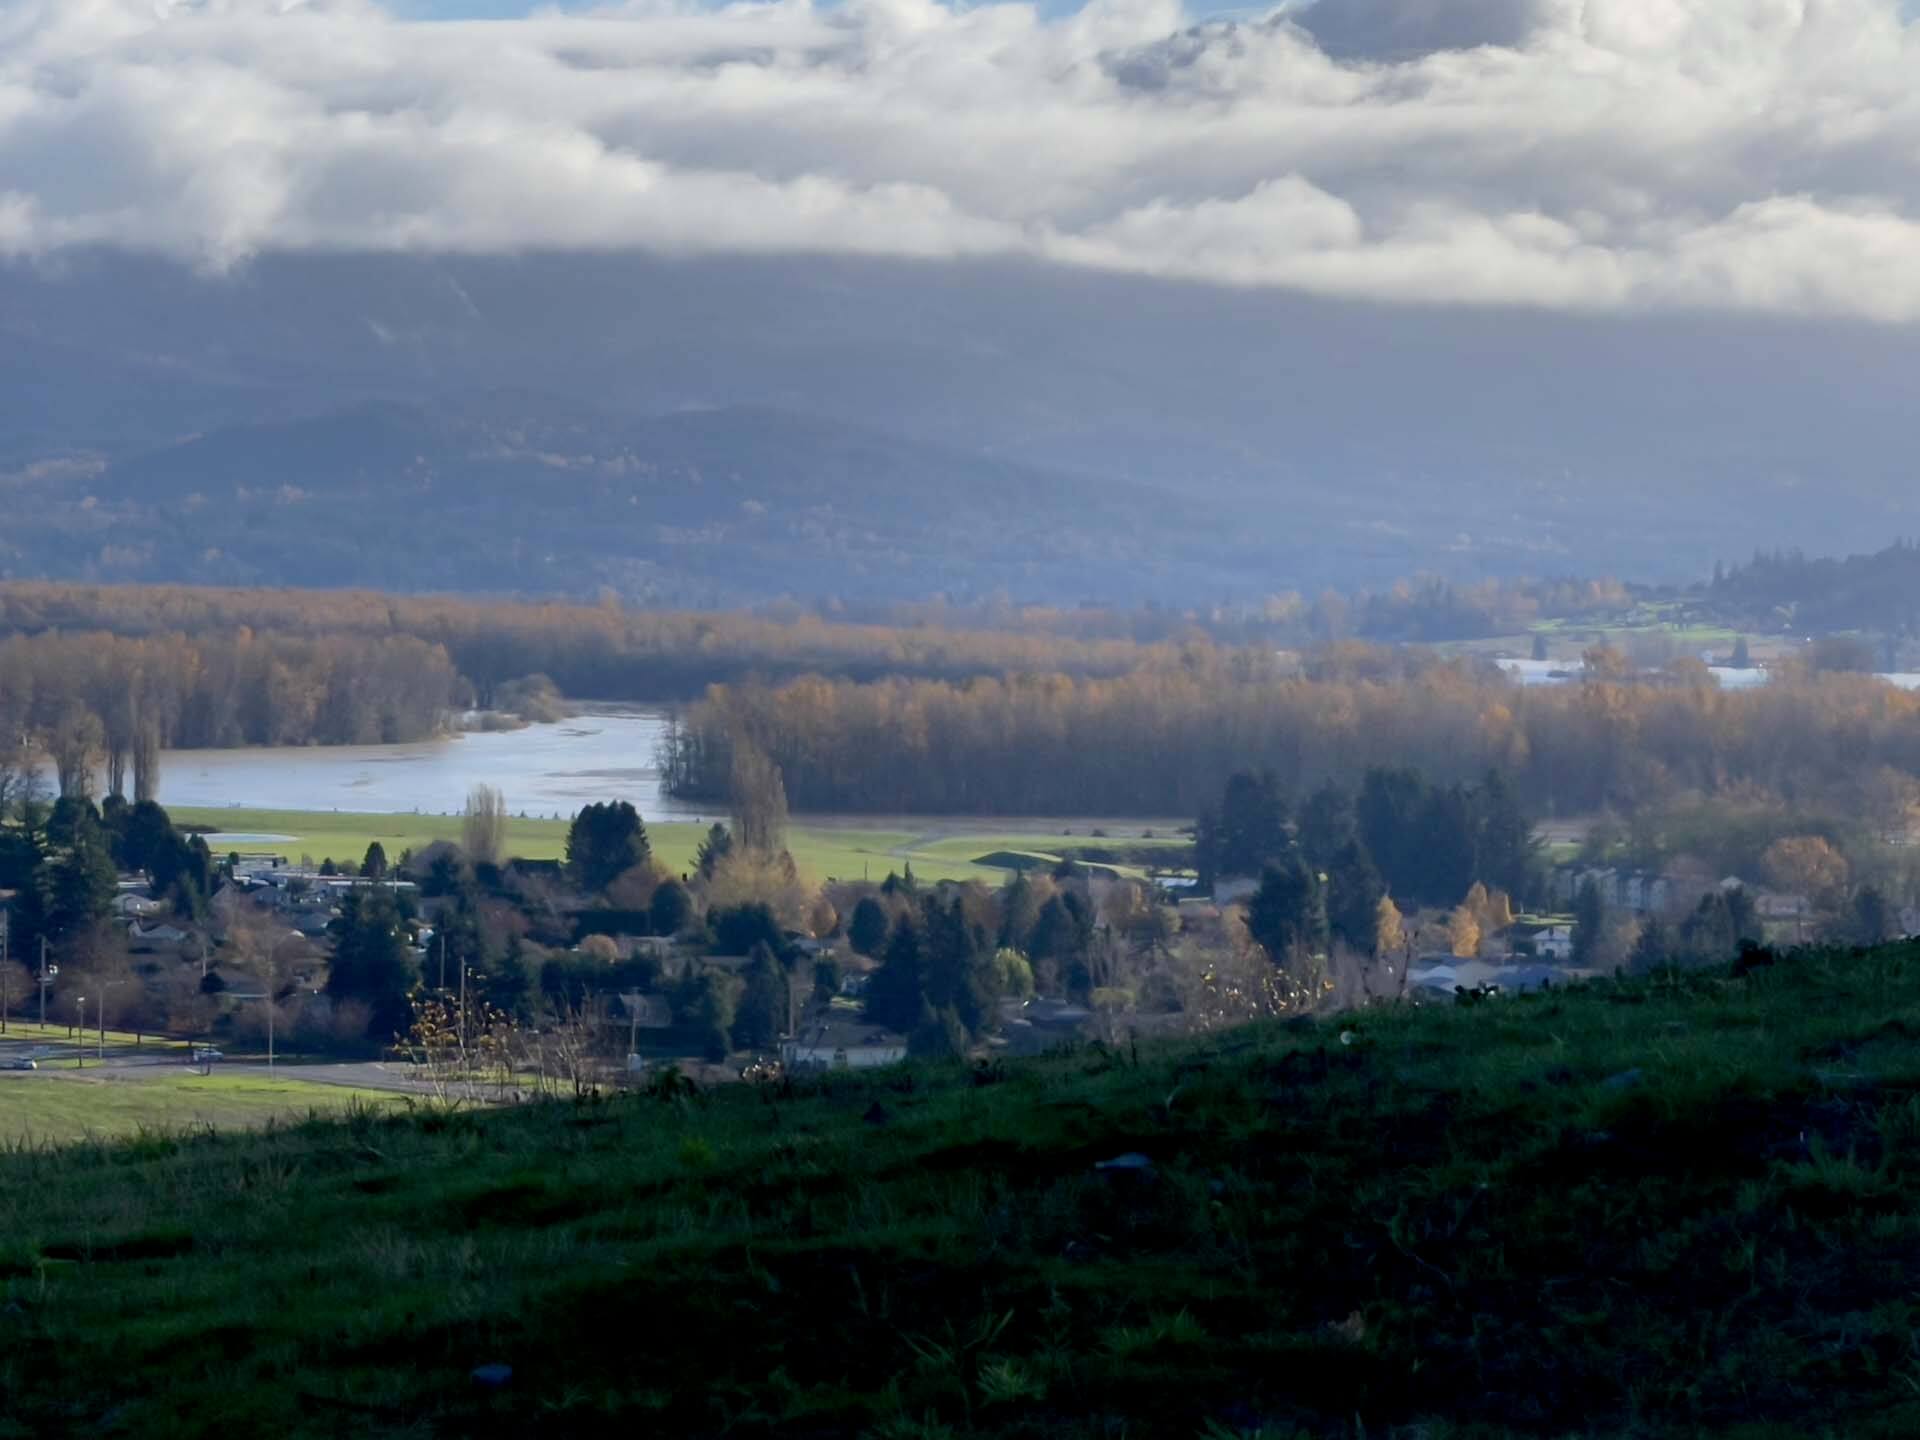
x,y
823,849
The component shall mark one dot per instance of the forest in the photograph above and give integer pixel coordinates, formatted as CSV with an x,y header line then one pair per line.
x,y
600,652
83,700
1162,743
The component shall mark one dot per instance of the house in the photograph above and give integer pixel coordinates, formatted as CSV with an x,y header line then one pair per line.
x,y
1553,942
130,905
836,1043
1770,905
160,939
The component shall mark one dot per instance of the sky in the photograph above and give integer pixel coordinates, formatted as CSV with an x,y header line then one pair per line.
x,y
1589,156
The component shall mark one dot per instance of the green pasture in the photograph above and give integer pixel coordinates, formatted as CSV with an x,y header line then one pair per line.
x,y
938,850
55,1106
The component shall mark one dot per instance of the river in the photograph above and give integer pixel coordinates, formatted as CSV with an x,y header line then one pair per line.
x,y
540,770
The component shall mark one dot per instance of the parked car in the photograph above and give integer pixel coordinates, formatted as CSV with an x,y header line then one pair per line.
x,y
18,1062
206,1055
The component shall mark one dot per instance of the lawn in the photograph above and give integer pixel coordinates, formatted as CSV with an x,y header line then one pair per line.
x,y
835,850
56,1106
1663,1208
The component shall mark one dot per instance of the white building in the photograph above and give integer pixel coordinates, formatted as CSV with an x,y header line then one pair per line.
x,y
834,1044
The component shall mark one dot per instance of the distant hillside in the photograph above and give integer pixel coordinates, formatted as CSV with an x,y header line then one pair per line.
x,y
1787,591
1660,1209
512,492
1297,444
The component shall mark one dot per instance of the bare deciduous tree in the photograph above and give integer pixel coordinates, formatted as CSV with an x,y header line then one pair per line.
x,y
759,797
483,829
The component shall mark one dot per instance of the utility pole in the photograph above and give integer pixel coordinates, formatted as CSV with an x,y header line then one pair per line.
x,y
43,982
100,1013
6,935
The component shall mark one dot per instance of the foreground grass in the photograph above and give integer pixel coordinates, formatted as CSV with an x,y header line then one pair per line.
x,y
822,852
1638,1210
60,1106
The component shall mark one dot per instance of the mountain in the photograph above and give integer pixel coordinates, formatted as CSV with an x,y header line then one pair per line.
x,y
518,492
1176,441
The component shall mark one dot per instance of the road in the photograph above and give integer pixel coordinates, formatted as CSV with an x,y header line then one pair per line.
x,y
153,1062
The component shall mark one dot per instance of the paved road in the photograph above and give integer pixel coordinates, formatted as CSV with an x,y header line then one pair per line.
x,y
152,1062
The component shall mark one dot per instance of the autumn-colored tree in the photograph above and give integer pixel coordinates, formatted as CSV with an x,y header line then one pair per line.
x,y
1463,933
1806,865
1389,928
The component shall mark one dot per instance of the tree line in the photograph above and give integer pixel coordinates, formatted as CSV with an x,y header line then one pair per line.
x,y
96,701
601,651
1165,742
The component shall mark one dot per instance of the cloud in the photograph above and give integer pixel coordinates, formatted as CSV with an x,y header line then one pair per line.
x,y
1582,155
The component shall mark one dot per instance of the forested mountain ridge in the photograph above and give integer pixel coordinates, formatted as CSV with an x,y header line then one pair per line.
x,y
1257,418
519,493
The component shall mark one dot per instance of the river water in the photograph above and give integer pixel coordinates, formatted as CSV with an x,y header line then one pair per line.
x,y
540,770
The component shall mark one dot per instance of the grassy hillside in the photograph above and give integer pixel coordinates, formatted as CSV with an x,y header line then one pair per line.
x,y
61,1104
1641,1209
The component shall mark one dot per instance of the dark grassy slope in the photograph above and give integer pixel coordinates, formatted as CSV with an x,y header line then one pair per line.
x,y
1633,1210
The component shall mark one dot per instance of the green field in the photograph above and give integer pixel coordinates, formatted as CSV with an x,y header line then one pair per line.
x,y
53,1107
822,851
1662,1209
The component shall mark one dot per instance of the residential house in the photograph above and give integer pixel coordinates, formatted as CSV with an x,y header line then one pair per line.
x,y
130,905
163,939
837,1043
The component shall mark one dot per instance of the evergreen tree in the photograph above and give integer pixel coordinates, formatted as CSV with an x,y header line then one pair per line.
x,y
1742,658
1389,805
1062,934
148,841
605,841
670,909
75,884
738,930
371,964
1506,850
1448,860
1287,914
761,1016
1327,825
867,929
959,969
1248,830
1354,893
898,990
717,845
511,985
374,867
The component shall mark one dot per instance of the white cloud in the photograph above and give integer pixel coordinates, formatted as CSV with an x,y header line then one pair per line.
x,y
1577,154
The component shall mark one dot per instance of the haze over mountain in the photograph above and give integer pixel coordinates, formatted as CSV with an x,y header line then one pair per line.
x,y
882,298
